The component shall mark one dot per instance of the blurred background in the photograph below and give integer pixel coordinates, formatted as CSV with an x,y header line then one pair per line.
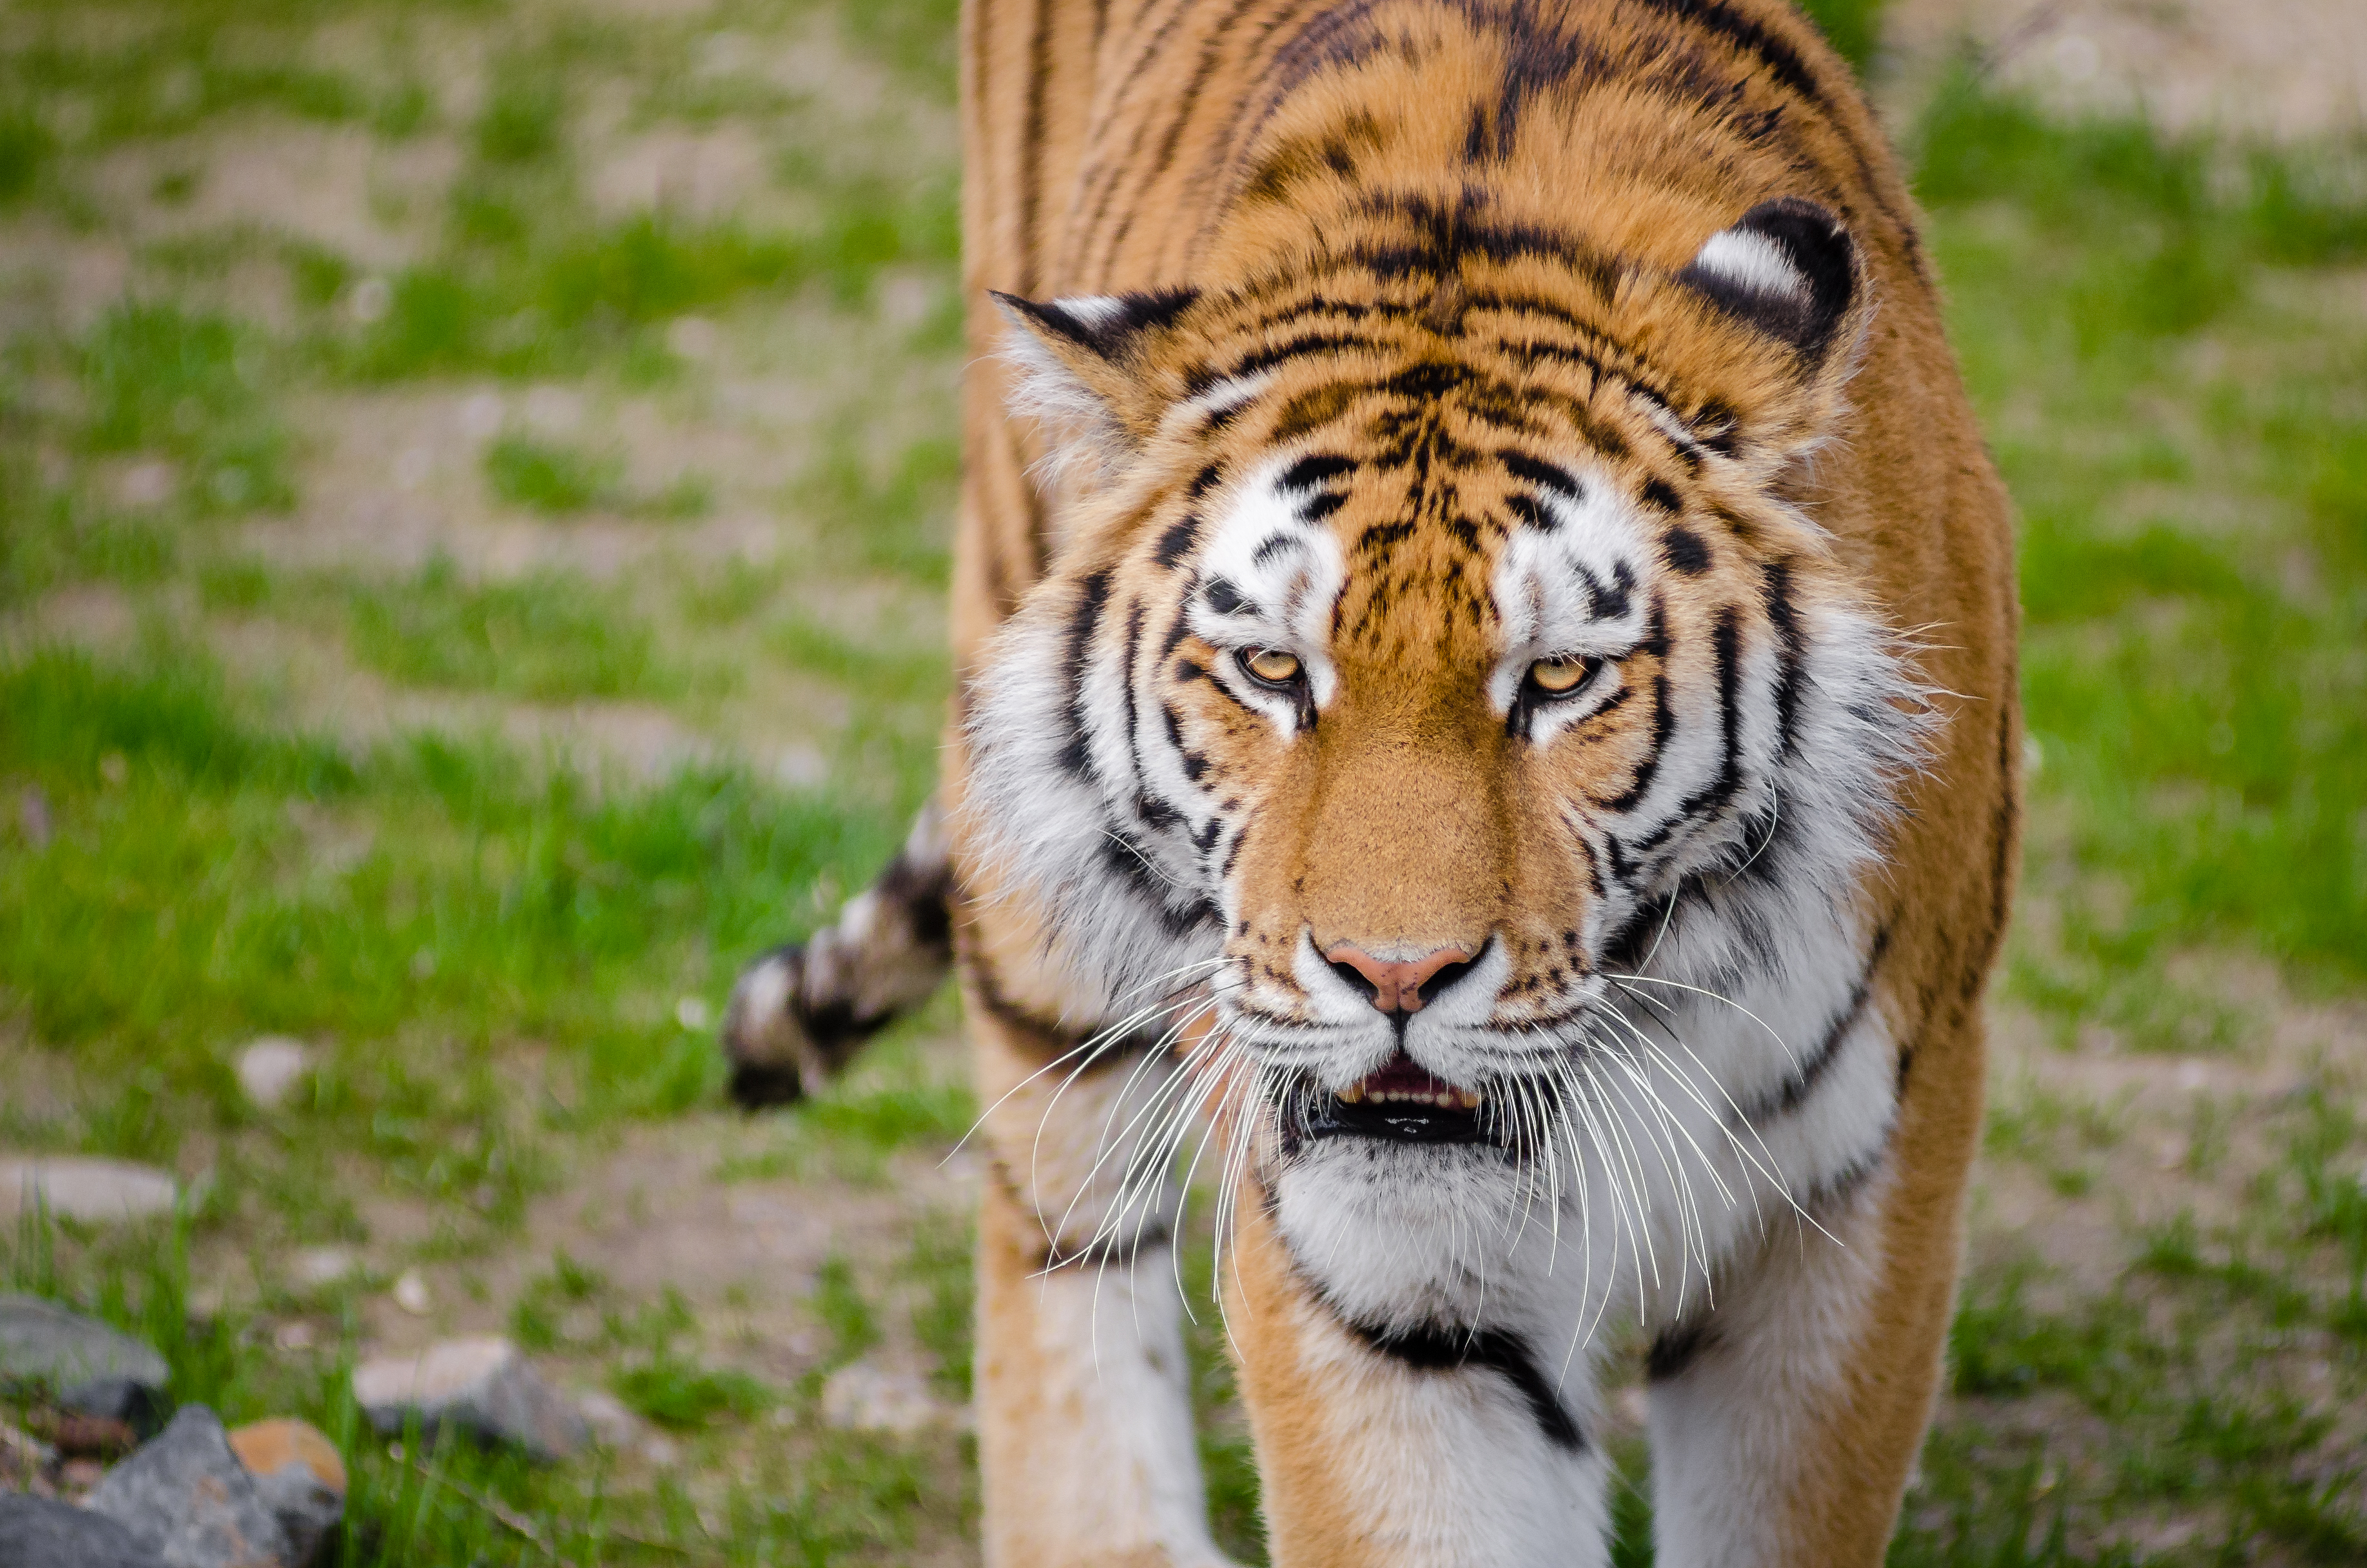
x,y
475,484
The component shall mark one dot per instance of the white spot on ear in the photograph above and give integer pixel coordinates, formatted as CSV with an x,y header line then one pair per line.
x,y
1092,309
1752,263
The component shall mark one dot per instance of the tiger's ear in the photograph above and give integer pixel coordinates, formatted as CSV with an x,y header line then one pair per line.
x,y
1084,372
1786,267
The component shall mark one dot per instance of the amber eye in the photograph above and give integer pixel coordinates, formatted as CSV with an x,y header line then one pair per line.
x,y
1271,665
1559,677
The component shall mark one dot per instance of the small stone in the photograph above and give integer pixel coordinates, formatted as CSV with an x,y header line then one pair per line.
x,y
368,299
87,1366
614,1425
77,1477
481,1385
33,817
301,1477
40,1532
93,1191
270,1068
78,1435
186,1497
317,1267
411,1293
607,1418
149,483
860,1398
127,1400
694,339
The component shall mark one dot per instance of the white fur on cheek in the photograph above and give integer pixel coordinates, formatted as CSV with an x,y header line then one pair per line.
x,y
1288,570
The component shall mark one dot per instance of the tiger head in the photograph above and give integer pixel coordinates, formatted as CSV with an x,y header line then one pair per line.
x,y
1435,658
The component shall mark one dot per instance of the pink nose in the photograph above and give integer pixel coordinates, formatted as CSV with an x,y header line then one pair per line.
x,y
1395,986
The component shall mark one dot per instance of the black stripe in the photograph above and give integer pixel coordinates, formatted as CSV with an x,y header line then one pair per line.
x,y
1791,652
1803,1078
1664,725
1177,541
1126,856
1710,800
1675,1349
1310,472
1543,475
1783,61
1431,1349
1687,553
1075,755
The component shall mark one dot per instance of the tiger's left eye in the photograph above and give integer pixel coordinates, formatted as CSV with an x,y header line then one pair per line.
x,y
1271,665
1559,677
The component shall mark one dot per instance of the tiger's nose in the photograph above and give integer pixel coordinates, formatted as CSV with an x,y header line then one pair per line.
x,y
1398,986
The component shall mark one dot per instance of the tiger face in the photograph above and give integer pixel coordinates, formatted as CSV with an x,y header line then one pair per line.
x,y
1429,672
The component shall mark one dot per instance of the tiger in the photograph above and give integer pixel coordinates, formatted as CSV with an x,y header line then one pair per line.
x,y
1486,739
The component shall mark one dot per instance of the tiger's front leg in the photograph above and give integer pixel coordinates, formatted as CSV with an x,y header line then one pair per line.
x,y
1086,1449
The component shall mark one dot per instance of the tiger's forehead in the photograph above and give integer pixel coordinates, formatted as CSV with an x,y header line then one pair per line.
x,y
1405,556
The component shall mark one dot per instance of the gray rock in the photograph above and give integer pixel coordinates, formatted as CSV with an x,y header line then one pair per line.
x,y
96,1192
269,1069
87,1366
306,1509
481,1385
186,1497
40,1532
301,1477
136,1405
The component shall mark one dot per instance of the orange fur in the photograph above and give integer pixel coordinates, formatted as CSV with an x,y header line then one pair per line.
x,y
1188,143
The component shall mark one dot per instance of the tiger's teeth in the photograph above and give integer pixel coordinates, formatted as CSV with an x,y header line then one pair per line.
x,y
1445,1099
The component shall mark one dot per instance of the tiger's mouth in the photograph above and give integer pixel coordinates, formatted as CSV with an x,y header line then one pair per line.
x,y
1404,1102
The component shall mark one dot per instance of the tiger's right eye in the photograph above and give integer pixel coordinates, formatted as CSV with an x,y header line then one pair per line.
x,y
1271,665
1559,677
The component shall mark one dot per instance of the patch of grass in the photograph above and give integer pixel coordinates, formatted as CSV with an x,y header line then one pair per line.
x,y
160,379
550,477
536,1316
847,1314
173,909
681,1393
940,1268
536,288
524,117
895,517
2193,685
830,1497
894,1118
549,635
26,147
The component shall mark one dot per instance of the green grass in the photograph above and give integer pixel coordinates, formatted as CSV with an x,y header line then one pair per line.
x,y
547,635
550,477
